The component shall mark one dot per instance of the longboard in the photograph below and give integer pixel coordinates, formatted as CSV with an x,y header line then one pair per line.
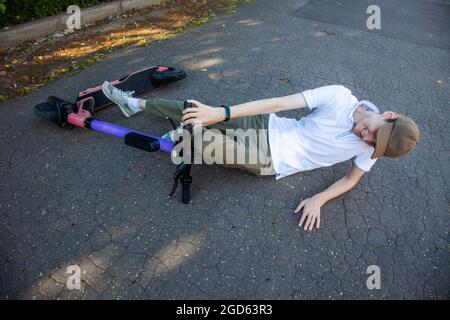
x,y
141,82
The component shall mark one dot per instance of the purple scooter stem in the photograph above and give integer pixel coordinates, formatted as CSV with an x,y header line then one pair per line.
x,y
121,132
83,119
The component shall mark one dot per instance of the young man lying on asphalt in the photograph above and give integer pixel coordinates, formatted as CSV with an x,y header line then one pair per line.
x,y
339,128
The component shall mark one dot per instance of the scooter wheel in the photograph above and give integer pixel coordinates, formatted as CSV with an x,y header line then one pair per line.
x,y
46,110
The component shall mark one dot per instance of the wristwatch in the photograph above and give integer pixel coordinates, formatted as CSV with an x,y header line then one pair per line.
x,y
227,112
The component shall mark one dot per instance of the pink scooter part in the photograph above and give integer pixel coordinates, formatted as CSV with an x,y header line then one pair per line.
x,y
78,118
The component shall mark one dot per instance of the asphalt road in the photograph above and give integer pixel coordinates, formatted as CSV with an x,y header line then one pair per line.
x,y
83,198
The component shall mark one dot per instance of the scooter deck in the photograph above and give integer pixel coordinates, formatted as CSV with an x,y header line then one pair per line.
x,y
68,115
141,82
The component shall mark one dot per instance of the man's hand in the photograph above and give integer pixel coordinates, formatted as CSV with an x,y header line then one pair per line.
x,y
311,212
202,115
311,206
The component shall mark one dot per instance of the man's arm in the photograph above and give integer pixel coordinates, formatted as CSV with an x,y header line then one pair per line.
x,y
293,101
208,115
311,206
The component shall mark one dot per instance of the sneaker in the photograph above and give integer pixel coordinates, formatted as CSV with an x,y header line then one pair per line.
x,y
119,97
170,135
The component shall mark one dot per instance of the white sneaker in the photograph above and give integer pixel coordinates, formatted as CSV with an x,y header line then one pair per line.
x,y
119,97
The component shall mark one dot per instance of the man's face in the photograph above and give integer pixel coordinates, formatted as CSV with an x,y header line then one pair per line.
x,y
366,129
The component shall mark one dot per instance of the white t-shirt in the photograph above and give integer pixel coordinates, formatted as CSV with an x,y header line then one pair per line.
x,y
321,139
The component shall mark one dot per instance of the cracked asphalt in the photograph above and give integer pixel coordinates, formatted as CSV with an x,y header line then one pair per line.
x,y
82,198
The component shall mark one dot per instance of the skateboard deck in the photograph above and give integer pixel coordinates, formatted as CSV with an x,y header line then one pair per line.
x,y
141,82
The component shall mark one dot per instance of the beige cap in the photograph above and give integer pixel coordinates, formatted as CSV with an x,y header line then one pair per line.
x,y
396,138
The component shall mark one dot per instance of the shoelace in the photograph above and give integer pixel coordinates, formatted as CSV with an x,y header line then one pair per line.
x,y
128,93
125,93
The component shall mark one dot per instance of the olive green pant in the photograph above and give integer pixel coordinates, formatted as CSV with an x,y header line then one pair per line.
x,y
253,148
